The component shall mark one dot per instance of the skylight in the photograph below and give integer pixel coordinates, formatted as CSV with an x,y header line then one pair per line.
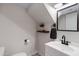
x,y
59,5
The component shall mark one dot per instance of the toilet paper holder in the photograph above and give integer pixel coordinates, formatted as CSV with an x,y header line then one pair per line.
x,y
26,41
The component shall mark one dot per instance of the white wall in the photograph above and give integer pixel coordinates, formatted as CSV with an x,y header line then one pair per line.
x,y
43,38
16,26
41,14
70,36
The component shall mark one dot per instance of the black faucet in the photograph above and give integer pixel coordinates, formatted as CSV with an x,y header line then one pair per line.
x,y
63,37
64,40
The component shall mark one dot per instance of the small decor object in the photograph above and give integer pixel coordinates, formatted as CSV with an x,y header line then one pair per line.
x,y
43,31
42,25
42,28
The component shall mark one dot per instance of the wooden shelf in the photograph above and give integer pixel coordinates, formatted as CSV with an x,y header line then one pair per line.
x,y
43,31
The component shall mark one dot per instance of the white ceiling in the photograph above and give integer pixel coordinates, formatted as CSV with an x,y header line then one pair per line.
x,y
24,5
40,13
37,11
52,4
28,5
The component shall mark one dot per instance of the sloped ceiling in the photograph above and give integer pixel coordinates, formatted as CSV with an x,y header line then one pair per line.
x,y
52,4
39,13
24,5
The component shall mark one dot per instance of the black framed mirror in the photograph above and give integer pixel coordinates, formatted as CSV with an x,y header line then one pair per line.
x,y
67,18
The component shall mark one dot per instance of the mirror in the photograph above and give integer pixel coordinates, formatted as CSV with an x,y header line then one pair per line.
x,y
67,18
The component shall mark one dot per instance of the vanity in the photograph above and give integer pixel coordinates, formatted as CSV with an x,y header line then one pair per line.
x,y
55,48
67,21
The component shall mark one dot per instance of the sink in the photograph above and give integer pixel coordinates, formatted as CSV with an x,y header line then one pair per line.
x,y
64,47
67,48
70,49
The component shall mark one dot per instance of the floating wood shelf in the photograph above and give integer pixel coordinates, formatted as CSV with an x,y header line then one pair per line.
x,y
43,31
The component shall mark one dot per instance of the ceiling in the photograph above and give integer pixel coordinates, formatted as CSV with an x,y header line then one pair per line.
x,y
37,11
52,4
28,5
40,13
24,5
